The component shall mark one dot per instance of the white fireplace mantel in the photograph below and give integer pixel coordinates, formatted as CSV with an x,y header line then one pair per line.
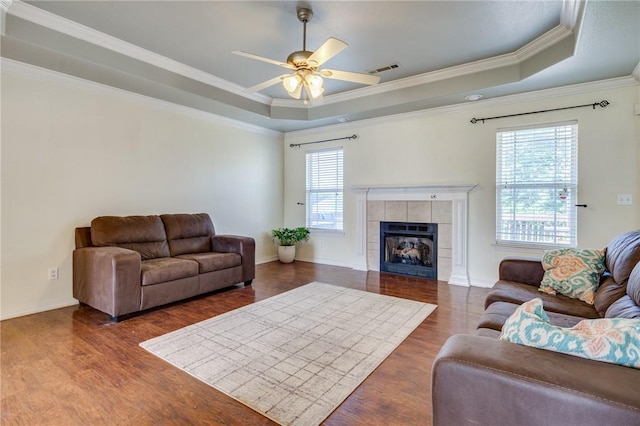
x,y
458,194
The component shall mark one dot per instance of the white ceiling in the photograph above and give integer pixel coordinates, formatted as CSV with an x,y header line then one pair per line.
x,y
180,51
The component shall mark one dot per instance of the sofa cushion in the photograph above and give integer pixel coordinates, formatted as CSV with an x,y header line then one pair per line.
x,y
144,234
518,293
633,285
572,272
488,332
623,254
615,340
154,271
209,262
188,233
628,306
623,308
608,292
495,316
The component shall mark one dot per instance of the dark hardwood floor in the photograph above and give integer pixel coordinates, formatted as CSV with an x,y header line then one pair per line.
x,y
74,366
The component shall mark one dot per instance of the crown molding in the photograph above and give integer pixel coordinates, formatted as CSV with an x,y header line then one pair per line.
x,y
82,32
560,92
61,79
550,38
571,17
572,9
546,40
69,81
636,73
4,6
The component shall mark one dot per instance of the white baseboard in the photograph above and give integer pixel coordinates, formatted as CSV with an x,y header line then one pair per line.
x,y
266,259
62,303
325,262
482,283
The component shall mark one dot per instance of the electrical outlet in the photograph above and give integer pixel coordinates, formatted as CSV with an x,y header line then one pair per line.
x,y
53,273
260,243
625,199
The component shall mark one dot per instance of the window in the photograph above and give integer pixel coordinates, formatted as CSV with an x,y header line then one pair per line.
x,y
324,189
536,185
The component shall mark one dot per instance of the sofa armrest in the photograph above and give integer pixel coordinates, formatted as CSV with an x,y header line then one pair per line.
x,y
108,279
478,380
524,270
245,246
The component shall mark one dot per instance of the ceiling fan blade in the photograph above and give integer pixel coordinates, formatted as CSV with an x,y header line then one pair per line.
x,y
263,59
267,83
353,77
328,50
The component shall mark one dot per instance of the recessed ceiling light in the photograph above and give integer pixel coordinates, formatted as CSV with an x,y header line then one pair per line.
x,y
473,97
344,120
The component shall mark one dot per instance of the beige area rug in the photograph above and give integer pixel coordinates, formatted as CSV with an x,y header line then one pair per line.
x,y
297,356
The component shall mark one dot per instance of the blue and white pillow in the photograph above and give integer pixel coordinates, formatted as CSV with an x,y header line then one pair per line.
x,y
612,340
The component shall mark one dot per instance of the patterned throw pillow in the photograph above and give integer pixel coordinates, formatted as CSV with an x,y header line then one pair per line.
x,y
572,272
612,340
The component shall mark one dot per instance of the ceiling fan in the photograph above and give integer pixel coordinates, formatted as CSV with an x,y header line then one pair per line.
x,y
305,66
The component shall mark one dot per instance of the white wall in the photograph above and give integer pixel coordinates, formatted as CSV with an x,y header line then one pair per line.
x,y
443,147
71,152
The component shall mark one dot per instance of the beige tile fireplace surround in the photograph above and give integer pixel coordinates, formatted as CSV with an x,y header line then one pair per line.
x,y
410,211
445,205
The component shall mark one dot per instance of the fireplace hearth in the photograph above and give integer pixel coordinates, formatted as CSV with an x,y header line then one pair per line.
x,y
409,248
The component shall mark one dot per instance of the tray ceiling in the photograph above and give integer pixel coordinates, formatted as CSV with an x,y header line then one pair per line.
x,y
180,51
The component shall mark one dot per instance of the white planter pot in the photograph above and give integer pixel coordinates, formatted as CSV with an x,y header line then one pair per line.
x,y
286,254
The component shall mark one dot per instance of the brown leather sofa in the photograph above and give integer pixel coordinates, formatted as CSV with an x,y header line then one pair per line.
x,y
480,380
122,265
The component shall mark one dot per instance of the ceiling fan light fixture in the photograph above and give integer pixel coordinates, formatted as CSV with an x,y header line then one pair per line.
x,y
314,85
313,94
292,82
305,67
297,93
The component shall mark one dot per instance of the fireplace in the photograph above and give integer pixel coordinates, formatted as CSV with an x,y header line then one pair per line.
x,y
409,248
444,205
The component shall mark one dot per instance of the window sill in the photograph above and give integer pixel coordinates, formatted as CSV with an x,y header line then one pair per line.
x,y
538,248
328,232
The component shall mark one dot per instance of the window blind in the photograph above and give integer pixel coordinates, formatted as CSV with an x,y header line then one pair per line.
x,y
536,184
324,189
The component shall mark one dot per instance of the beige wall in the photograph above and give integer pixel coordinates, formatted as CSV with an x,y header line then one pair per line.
x,y
443,147
73,152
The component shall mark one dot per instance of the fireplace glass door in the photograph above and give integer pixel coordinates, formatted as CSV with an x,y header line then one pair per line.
x,y
409,248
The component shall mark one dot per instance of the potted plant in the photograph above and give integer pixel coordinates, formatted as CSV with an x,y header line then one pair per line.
x,y
287,238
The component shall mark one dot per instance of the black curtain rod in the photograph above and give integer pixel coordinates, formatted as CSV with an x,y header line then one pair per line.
x,y
326,140
602,104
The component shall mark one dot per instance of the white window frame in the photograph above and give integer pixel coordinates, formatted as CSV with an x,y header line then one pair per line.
x,y
324,171
535,204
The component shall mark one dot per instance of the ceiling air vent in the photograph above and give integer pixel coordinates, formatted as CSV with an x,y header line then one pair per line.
x,y
386,68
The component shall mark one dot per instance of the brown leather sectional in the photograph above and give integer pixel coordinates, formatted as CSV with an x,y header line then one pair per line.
x,y
480,380
123,265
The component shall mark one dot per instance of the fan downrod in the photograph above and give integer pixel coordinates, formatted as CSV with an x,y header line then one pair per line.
x,y
299,59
